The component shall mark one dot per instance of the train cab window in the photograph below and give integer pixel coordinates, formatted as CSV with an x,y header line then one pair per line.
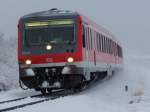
x,y
83,37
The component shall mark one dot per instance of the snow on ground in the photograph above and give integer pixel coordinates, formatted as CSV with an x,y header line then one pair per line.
x,y
107,96
16,93
8,63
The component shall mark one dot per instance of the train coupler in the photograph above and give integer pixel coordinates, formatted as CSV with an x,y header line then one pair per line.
x,y
46,84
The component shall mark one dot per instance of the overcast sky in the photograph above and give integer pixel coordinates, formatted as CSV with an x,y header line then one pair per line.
x,y
128,20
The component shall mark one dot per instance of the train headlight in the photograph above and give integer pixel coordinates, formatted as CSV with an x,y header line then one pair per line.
x,y
48,47
70,59
28,62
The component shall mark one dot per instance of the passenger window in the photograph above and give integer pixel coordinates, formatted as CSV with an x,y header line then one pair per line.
x,y
109,45
98,44
102,42
106,45
91,38
89,43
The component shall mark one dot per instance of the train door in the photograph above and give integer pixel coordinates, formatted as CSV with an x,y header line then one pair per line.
x,y
87,53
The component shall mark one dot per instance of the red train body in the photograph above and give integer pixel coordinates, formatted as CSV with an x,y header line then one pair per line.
x,y
63,49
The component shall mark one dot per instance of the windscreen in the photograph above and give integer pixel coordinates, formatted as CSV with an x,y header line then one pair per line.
x,y
52,31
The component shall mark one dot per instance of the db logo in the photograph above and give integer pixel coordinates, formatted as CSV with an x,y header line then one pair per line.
x,y
49,60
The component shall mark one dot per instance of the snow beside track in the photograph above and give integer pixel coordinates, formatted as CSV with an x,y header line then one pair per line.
x,y
8,63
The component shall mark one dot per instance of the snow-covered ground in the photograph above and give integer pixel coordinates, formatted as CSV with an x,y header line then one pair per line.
x,y
8,63
107,96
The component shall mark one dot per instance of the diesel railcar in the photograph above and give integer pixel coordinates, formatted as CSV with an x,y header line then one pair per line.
x,y
64,50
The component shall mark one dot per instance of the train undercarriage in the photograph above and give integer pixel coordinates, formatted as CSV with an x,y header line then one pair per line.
x,y
46,79
49,78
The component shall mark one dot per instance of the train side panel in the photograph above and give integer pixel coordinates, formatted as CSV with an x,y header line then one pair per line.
x,y
94,59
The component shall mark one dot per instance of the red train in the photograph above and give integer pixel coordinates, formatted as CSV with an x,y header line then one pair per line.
x,y
64,49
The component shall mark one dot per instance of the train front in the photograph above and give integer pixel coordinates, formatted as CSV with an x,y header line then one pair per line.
x,y
49,52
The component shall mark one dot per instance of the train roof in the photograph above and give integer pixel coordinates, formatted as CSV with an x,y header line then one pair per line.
x,y
51,13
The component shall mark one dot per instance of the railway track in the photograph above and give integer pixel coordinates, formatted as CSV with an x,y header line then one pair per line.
x,y
17,99
39,99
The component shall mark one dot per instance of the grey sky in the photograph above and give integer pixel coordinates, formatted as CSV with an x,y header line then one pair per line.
x,y
129,20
